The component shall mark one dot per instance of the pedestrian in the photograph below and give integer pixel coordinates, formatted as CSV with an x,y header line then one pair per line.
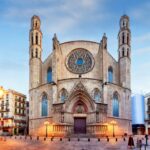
x,y
131,142
146,138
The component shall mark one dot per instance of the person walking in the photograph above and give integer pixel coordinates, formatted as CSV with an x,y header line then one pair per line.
x,y
146,139
131,142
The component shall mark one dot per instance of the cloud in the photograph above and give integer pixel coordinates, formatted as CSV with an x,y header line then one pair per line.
x,y
142,38
141,12
56,15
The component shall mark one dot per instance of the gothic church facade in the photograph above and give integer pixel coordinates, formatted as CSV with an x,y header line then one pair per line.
x,y
80,87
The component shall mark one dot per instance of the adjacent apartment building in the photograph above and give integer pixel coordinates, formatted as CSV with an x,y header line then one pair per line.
x,y
13,112
147,113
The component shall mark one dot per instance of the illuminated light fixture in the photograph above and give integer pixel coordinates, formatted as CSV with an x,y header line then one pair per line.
x,y
46,123
1,92
113,124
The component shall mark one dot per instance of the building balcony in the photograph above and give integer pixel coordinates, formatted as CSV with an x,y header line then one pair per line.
x,y
4,110
20,121
20,107
19,100
8,117
148,111
20,114
147,119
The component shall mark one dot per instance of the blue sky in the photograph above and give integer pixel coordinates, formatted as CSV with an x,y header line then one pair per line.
x,y
71,20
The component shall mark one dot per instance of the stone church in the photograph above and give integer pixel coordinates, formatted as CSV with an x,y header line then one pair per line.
x,y
80,88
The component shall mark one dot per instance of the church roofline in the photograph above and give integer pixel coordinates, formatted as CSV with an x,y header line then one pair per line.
x,y
79,41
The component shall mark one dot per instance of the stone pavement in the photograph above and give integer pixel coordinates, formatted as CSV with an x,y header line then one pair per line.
x,y
83,144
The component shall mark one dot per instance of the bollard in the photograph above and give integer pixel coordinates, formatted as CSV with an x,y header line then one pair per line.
x,y
20,137
68,139
44,138
37,137
15,137
60,139
107,139
78,139
116,139
124,139
88,139
145,146
25,137
51,139
98,139
30,137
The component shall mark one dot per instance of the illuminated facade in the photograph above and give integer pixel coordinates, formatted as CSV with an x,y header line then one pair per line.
x,y
80,87
13,113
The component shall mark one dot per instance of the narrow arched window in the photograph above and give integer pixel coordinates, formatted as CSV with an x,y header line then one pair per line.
x,y
44,105
36,53
49,75
123,38
148,101
123,52
115,105
63,95
36,38
36,24
97,95
32,54
110,74
32,38
127,52
128,41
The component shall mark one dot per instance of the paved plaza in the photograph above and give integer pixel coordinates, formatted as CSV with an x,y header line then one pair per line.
x,y
74,144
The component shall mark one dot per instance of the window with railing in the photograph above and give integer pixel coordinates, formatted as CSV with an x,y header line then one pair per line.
x,y
148,101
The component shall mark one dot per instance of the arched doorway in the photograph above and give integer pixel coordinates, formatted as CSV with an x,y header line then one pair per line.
x,y
80,105
80,109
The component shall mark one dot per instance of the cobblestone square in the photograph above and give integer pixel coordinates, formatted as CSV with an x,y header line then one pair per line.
x,y
20,143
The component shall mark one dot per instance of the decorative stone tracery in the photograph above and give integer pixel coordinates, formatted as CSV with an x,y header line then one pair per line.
x,y
80,61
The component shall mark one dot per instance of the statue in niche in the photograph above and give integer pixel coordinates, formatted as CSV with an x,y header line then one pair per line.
x,y
80,109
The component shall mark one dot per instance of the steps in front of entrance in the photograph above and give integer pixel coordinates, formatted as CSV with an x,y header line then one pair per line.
x,y
81,136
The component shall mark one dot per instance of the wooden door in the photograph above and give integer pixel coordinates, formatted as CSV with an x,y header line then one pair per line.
x,y
80,125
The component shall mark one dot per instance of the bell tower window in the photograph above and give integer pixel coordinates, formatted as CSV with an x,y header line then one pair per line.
x,y
122,52
123,38
32,38
128,39
36,53
36,38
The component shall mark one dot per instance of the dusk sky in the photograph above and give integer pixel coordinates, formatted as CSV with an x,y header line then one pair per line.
x,y
71,20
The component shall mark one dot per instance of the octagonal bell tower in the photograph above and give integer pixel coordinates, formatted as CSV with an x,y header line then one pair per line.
x,y
35,52
124,51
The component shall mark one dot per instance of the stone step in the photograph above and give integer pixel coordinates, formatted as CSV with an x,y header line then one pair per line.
x,y
81,136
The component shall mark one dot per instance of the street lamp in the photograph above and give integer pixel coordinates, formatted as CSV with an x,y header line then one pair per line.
x,y
113,124
46,123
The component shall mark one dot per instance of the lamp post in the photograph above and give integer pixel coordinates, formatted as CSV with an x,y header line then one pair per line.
x,y
46,123
113,124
